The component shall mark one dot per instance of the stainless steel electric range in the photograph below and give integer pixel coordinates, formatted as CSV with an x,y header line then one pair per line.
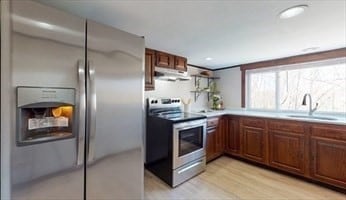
x,y
175,141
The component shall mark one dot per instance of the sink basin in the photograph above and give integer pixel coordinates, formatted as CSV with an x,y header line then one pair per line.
x,y
311,117
206,111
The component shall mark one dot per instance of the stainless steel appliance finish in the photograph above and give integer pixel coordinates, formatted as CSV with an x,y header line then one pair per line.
x,y
48,50
192,147
187,171
175,141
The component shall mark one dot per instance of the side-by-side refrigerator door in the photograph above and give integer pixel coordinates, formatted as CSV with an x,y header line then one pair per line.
x,y
115,113
48,92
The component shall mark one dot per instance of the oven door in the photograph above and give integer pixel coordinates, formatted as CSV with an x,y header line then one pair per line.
x,y
189,139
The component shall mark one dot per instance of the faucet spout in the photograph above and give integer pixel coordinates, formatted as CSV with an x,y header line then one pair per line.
x,y
311,110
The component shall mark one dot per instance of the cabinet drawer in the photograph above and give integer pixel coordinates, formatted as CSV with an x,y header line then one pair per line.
x,y
329,131
253,122
293,127
212,122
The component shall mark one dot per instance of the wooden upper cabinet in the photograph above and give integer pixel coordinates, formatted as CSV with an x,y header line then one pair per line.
x,y
328,154
170,61
149,69
164,60
180,63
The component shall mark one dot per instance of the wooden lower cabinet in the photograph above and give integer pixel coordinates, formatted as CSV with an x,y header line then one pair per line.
x,y
286,151
211,144
232,135
313,150
254,144
328,154
215,138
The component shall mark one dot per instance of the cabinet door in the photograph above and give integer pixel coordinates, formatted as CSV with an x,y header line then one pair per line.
x,y
220,140
287,151
253,144
164,60
180,63
149,69
328,160
211,144
232,134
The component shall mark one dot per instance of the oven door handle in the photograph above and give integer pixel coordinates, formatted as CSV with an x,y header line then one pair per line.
x,y
188,125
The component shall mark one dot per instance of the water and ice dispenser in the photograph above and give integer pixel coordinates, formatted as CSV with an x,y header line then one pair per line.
x,y
45,114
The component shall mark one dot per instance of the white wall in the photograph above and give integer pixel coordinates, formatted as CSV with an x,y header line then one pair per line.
x,y
230,86
181,89
5,101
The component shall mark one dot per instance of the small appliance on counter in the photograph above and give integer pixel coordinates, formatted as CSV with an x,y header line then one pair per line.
x,y
175,141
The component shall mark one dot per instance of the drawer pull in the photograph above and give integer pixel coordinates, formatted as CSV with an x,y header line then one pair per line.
x,y
189,167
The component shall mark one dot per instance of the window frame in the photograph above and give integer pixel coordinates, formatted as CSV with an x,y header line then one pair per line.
x,y
276,71
288,62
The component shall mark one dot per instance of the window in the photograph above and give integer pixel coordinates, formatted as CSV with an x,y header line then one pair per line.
x,y
283,87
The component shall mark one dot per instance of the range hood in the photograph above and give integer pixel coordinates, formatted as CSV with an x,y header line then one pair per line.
x,y
171,74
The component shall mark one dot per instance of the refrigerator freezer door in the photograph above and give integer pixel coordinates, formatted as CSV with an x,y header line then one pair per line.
x,y
46,45
115,157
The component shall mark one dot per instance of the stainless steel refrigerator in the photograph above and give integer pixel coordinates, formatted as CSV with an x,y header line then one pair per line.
x,y
60,64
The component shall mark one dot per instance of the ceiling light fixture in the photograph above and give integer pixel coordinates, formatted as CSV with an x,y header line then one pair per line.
x,y
310,49
208,58
292,11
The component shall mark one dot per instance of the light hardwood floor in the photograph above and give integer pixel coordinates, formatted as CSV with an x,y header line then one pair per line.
x,y
227,178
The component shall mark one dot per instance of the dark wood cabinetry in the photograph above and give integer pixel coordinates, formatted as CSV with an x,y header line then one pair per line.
x,y
328,154
287,146
160,59
254,139
164,60
315,151
215,139
253,144
180,63
232,136
170,61
149,69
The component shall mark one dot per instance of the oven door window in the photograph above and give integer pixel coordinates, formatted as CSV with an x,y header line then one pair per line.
x,y
190,140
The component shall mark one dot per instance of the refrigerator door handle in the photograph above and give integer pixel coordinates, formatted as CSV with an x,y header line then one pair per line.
x,y
91,113
82,107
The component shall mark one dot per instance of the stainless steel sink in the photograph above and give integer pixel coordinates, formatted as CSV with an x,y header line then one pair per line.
x,y
312,117
206,111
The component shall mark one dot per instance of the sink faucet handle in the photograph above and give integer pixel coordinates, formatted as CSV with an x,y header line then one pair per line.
x,y
314,109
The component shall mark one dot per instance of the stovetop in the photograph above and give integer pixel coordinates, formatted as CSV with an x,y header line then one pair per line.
x,y
169,109
182,116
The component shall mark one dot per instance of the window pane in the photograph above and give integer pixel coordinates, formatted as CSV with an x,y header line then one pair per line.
x,y
326,84
262,90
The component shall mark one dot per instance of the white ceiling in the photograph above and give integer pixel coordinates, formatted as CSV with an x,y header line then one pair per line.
x,y
231,32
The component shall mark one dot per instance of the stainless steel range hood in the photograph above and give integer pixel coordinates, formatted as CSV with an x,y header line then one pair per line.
x,y
171,74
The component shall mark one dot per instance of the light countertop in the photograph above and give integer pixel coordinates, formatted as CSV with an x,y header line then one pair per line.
x,y
336,119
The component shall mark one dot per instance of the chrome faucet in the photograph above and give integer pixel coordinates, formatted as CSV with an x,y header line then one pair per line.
x,y
311,110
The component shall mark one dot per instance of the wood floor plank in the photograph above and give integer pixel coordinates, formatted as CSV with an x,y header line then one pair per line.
x,y
227,178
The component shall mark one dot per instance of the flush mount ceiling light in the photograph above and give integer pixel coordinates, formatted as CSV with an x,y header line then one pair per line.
x,y
292,11
310,49
208,58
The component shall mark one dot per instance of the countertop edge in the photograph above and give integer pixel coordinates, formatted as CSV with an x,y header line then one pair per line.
x,y
278,116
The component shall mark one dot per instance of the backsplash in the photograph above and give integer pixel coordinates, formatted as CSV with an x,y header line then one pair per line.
x,y
182,89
